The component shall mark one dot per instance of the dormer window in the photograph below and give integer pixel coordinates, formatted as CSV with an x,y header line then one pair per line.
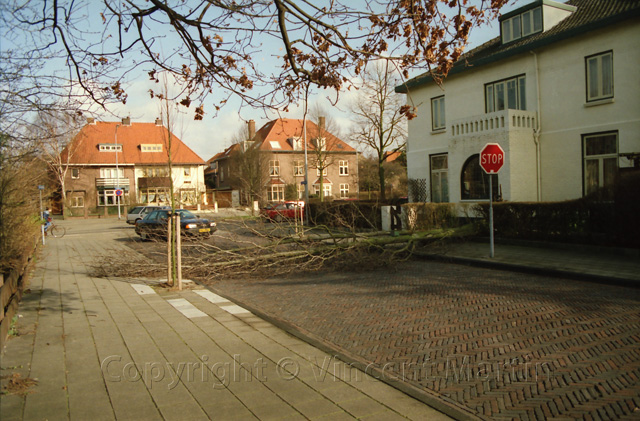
x,y
109,147
296,143
521,25
151,147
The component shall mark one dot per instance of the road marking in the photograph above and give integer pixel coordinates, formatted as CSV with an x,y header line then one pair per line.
x,y
211,297
185,307
235,309
143,289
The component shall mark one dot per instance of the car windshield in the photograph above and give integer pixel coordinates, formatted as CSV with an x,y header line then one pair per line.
x,y
185,214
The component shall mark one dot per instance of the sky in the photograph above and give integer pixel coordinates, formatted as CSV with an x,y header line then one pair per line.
x,y
211,135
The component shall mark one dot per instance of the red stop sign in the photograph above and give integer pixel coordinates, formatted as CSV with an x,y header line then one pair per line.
x,y
491,158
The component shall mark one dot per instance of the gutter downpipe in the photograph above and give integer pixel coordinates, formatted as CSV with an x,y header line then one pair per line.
x,y
536,130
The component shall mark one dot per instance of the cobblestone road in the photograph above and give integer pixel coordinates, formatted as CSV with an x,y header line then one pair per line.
x,y
504,345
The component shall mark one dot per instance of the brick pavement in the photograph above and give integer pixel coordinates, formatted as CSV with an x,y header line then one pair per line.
x,y
122,348
503,345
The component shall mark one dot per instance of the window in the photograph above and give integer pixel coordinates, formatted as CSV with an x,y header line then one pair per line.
x,y
77,201
155,172
439,178
109,147
324,171
437,113
187,171
600,161
298,168
522,25
506,94
296,143
107,198
75,172
344,190
474,182
599,76
344,167
320,143
111,173
275,144
300,191
151,147
154,195
274,168
275,193
326,188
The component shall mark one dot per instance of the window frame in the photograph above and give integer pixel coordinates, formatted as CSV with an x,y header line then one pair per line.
x,y
298,168
600,77
438,171
77,201
438,114
344,190
516,22
601,160
520,91
77,173
343,167
274,168
275,193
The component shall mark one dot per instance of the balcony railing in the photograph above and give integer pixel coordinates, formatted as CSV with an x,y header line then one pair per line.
x,y
112,182
498,121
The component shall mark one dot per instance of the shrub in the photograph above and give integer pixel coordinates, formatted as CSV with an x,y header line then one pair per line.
x,y
427,216
346,214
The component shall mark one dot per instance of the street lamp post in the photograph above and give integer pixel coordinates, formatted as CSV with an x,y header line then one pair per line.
x,y
117,174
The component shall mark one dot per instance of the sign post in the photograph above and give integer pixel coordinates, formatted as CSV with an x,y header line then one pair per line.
x,y
491,160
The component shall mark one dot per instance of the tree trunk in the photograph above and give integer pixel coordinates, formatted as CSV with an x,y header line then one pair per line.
x,y
383,196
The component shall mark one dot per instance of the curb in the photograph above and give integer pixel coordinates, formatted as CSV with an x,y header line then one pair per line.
x,y
432,399
514,267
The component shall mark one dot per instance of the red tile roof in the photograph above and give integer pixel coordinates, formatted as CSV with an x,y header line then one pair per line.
x,y
86,145
278,131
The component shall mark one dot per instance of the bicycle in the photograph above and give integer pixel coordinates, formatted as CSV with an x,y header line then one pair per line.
x,y
56,231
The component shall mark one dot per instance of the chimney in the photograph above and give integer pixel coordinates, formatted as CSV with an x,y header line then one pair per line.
x,y
252,129
158,122
91,120
321,121
126,121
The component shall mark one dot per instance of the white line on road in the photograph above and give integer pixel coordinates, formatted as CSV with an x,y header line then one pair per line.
x,y
185,307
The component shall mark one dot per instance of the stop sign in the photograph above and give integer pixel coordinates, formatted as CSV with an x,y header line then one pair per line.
x,y
491,158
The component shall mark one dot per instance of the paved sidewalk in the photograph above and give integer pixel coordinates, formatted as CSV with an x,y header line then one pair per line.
x,y
600,264
128,349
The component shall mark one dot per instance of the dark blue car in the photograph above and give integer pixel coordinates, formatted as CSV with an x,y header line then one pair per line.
x,y
154,225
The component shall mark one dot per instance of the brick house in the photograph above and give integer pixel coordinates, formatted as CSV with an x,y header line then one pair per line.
x,y
133,157
332,163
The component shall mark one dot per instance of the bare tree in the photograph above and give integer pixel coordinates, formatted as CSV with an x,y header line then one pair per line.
x,y
324,141
381,126
56,136
250,166
219,46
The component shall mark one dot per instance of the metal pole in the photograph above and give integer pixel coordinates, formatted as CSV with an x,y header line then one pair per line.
x,y
41,215
306,166
169,254
491,215
117,173
179,250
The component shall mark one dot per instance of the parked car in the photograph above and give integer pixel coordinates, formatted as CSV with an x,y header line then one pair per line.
x,y
154,225
280,211
139,212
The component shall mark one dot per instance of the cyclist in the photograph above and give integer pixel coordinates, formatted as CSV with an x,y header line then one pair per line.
x,y
46,215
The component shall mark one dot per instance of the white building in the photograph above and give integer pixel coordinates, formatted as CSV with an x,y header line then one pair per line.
x,y
559,90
